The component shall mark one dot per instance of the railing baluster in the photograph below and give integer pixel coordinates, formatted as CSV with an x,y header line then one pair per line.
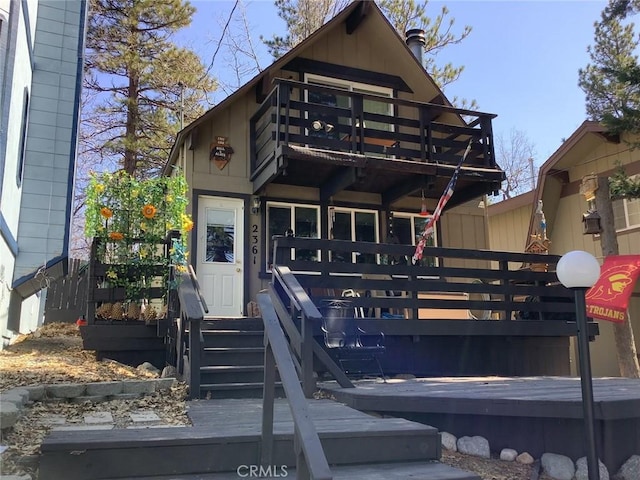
x,y
268,395
308,381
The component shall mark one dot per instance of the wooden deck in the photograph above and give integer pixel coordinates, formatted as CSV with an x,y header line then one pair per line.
x,y
226,434
534,414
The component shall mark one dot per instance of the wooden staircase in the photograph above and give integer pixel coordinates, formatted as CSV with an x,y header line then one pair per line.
x,y
232,358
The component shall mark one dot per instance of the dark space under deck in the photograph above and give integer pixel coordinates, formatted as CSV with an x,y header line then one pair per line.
x,y
535,414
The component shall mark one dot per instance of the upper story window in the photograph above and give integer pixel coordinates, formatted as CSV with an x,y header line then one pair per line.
x,y
335,100
626,213
23,137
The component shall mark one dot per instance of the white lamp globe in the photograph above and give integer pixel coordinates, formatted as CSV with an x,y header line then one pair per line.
x,y
578,269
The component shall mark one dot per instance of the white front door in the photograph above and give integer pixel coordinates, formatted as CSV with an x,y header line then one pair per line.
x,y
220,254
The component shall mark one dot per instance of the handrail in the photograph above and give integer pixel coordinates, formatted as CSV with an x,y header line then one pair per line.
x,y
302,341
311,461
191,314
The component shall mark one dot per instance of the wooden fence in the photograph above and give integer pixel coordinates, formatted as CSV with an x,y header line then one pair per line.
x,y
67,296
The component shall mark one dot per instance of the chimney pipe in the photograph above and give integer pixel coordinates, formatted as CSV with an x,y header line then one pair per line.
x,y
415,40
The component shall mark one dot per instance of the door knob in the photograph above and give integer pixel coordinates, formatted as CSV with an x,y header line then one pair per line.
x,y
238,270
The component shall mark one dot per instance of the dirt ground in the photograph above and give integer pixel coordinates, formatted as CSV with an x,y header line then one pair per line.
x,y
53,354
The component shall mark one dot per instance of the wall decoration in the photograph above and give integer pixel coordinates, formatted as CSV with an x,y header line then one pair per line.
x,y
220,152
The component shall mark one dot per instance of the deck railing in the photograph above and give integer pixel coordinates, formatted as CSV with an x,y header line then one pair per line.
x,y
494,285
311,462
318,116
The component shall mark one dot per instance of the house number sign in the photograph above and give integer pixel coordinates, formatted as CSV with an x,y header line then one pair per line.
x,y
220,152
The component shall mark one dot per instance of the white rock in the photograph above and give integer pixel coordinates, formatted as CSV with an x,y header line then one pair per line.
x,y
559,467
524,458
476,446
449,441
582,470
169,371
630,470
508,454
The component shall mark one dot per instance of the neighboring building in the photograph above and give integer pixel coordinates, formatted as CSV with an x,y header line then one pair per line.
x,y
42,44
590,150
285,154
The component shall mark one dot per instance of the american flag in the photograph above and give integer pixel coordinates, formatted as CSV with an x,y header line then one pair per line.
x,y
446,195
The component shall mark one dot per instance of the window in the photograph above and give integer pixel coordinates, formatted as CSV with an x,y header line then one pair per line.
x,y
626,213
298,220
23,137
407,229
353,225
331,99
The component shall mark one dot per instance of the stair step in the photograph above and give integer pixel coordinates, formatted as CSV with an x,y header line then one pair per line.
x,y
233,356
225,374
254,324
235,390
128,454
431,470
232,338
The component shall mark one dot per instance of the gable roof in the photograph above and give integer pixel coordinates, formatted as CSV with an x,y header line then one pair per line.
x,y
351,16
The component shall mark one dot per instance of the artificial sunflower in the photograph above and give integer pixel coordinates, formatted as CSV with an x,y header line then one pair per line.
x,y
117,236
149,211
106,212
187,223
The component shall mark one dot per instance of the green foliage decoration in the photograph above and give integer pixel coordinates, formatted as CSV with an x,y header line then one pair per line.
x,y
622,186
130,220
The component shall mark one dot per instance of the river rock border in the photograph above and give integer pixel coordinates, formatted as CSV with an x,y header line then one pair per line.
x,y
13,401
558,467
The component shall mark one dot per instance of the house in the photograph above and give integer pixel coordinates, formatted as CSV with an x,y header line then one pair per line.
x,y
589,150
345,137
40,77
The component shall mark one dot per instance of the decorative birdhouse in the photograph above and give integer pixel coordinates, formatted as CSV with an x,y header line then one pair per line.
x,y
591,223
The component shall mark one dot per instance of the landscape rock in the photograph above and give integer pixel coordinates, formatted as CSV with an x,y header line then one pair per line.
x,y
164,383
477,446
525,458
148,367
630,470
14,398
559,467
66,390
36,392
449,441
9,414
22,392
508,454
104,388
582,470
169,372
138,386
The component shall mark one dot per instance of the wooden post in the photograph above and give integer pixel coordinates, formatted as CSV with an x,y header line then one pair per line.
x,y
623,333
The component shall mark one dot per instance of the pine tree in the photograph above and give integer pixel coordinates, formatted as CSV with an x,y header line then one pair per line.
x,y
139,82
612,81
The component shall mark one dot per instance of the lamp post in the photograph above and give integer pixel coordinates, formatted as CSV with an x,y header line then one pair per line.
x,y
579,271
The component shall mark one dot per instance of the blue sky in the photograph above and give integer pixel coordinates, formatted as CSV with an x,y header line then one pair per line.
x,y
521,59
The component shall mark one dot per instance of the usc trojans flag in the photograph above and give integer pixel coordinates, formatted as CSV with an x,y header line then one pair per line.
x,y
608,299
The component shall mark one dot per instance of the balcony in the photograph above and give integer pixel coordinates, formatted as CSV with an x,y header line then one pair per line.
x,y
369,143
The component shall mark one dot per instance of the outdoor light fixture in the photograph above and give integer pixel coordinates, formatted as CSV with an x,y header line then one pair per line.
x,y
423,207
255,205
591,223
318,125
579,271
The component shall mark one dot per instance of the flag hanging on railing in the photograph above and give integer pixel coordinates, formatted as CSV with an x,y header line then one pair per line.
x,y
446,195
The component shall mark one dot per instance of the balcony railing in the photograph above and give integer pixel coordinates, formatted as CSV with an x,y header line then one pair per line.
x,y
324,118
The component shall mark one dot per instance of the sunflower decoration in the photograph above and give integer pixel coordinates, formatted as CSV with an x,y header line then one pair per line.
x,y
149,211
130,220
